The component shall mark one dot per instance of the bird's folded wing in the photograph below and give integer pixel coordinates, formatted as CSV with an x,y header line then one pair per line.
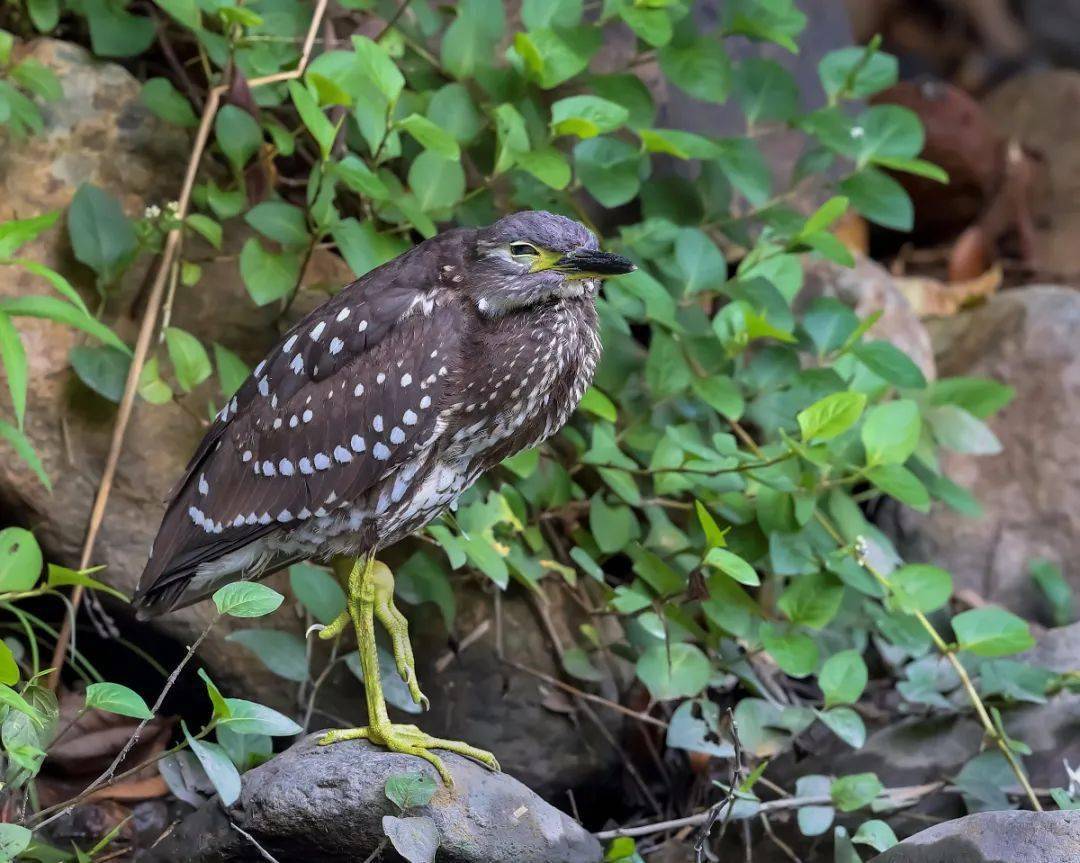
x,y
343,400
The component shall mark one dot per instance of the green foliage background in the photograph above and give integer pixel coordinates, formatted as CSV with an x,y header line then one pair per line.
x,y
708,491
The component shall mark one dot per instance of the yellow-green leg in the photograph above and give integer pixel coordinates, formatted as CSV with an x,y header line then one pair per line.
x,y
370,590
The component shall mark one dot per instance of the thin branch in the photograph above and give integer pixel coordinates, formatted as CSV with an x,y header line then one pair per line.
x,y
266,855
149,321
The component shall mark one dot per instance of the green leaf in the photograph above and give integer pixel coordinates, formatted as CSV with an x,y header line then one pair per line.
x,y
732,565
247,599
681,672
745,167
218,766
701,68
280,222
14,839
812,599
576,663
918,167
186,12
595,402
114,32
856,791
991,631
410,790
721,394
846,724
101,235
18,232
206,227
855,73
360,178
318,591
436,181
317,123
14,363
238,134
363,247
795,652
452,108
609,169
20,560
877,834
25,450
166,102
44,13
586,116
777,21
677,143
190,361
282,652
888,131
702,264
268,276
956,429
813,820
547,164
831,416
695,726
9,668
889,362
666,370
378,67
650,25
1056,589
765,90
114,698
51,308
880,199
978,396
232,371
898,482
104,369
247,717
430,136
891,431
843,678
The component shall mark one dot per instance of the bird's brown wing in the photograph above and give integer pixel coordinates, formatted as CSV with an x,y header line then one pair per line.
x,y
340,402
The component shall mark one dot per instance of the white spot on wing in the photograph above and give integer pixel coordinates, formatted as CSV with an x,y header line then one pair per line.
x,y
342,455
357,443
321,461
336,345
344,313
289,344
317,330
286,467
380,451
396,435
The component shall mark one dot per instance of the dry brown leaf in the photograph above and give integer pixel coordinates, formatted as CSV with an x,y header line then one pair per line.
x,y
853,231
932,297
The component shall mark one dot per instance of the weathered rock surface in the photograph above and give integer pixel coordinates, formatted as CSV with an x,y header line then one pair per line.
x,y
994,837
327,804
867,288
1031,490
1039,110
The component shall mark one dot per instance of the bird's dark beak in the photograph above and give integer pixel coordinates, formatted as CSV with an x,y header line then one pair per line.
x,y
587,263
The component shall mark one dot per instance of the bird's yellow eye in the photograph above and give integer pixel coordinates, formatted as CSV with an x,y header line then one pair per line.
x,y
523,250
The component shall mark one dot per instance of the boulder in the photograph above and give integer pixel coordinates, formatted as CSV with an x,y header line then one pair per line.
x,y
328,804
994,837
1039,110
867,288
1030,491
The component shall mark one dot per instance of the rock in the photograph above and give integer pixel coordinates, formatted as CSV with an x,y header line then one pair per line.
x,y
1058,649
994,837
327,804
1030,492
1040,110
867,288
1053,25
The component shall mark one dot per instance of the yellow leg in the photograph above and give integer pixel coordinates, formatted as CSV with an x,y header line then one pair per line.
x,y
370,596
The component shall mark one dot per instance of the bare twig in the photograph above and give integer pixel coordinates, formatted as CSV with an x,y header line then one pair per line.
x,y
727,805
149,321
266,855
588,696
443,662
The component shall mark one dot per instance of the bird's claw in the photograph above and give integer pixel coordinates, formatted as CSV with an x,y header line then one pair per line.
x,y
410,740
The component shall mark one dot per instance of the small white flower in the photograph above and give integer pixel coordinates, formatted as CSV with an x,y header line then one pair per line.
x,y
858,132
862,550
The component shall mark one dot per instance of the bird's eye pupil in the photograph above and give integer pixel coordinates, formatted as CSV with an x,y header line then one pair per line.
x,y
522,249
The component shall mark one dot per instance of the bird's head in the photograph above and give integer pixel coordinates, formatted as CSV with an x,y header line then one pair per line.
x,y
531,257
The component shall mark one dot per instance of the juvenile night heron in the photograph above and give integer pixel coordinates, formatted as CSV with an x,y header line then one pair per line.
x,y
371,417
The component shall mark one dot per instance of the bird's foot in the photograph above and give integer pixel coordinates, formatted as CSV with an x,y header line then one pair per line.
x,y
410,740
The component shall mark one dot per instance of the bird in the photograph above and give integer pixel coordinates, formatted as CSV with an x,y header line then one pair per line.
x,y
372,415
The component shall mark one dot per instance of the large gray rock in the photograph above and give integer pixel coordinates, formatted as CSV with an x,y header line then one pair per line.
x,y
326,804
994,837
1031,490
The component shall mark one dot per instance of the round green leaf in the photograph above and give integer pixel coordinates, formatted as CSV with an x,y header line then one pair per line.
x,y
20,560
247,599
682,674
843,678
920,587
114,698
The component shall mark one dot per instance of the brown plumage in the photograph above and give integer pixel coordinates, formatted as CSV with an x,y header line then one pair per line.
x,y
373,414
